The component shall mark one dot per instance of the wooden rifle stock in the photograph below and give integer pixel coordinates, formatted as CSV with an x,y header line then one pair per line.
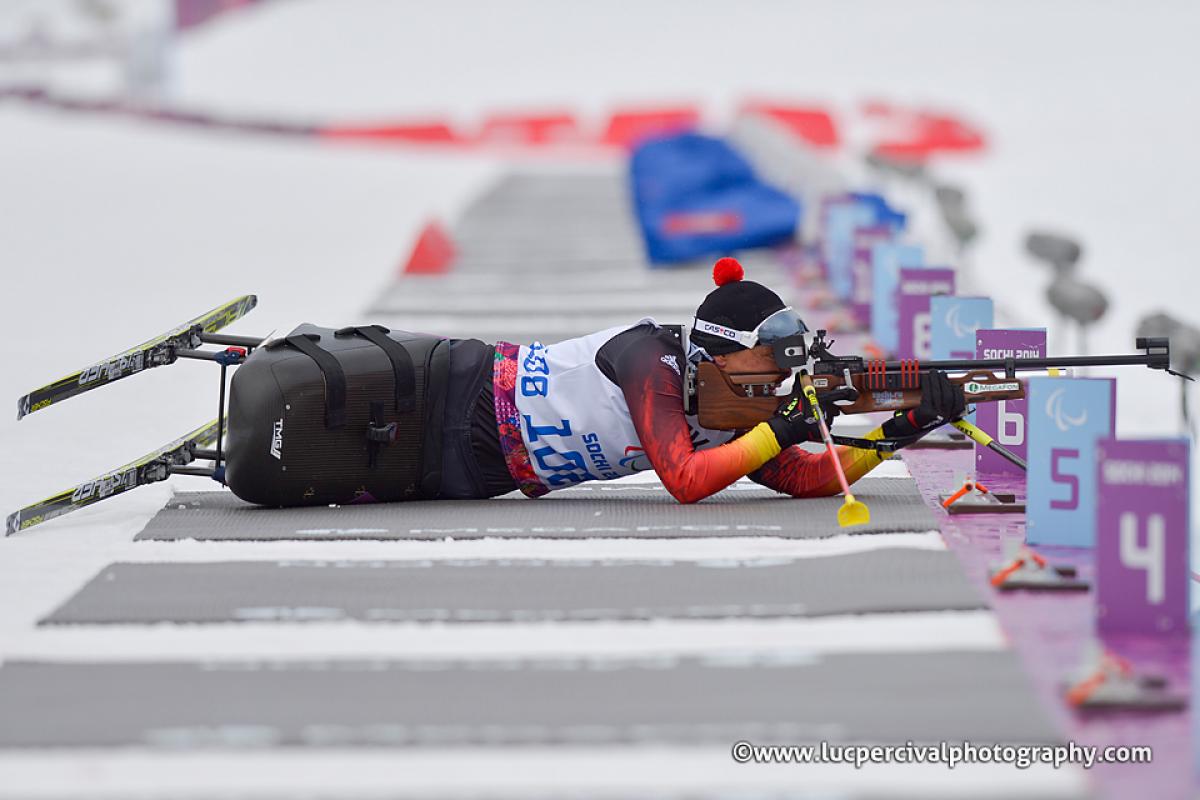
x,y
739,401
734,402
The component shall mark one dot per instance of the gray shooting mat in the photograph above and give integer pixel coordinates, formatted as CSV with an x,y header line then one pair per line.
x,y
981,697
483,590
582,512
566,241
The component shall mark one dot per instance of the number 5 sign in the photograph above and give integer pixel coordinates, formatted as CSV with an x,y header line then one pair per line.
x,y
1142,570
1066,417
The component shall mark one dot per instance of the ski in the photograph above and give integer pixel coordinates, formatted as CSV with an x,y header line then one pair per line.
x,y
154,353
150,468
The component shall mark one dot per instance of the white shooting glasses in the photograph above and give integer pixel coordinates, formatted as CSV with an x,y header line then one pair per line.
x,y
783,323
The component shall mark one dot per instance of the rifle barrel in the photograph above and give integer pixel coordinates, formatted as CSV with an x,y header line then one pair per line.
x,y
1152,360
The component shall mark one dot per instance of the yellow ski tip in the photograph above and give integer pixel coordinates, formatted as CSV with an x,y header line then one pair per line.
x,y
853,512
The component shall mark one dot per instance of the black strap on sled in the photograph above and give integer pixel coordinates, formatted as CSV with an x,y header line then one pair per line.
x,y
331,370
379,434
402,363
437,384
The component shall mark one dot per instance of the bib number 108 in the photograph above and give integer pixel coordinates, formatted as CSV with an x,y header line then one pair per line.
x,y
567,467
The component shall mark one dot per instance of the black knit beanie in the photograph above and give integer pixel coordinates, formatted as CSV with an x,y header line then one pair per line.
x,y
736,303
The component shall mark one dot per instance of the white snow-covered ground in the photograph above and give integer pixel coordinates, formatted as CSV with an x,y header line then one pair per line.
x,y
111,230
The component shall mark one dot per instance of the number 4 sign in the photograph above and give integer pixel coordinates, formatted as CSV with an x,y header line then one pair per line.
x,y
1142,570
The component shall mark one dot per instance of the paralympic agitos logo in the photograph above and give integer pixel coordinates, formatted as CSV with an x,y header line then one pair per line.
x,y
630,461
956,325
1062,420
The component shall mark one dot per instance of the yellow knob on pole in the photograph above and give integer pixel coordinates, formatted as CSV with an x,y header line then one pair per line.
x,y
852,512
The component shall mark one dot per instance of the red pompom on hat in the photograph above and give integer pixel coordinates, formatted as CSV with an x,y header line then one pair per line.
x,y
727,270
735,303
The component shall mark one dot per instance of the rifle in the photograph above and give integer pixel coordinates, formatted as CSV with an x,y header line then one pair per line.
x,y
856,385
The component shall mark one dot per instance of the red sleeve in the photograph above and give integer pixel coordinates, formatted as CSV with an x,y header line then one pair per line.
x,y
653,389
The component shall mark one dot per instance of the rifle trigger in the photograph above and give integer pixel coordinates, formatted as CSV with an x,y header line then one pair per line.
x,y
851,393
1180,374
787,386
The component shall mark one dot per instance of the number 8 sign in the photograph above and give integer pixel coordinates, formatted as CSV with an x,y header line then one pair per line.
x,y
915,289
1142,570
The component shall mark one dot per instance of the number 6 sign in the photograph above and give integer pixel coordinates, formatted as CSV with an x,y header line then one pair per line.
x,y
1142,570
1006,419
1010,431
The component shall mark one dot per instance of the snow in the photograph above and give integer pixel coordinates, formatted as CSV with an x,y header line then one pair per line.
x,y
805,638
519,773
114,230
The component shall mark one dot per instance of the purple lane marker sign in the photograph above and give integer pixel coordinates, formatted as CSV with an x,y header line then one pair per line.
x,y
861,266
1005,420
1142,567
1067,416
915,288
